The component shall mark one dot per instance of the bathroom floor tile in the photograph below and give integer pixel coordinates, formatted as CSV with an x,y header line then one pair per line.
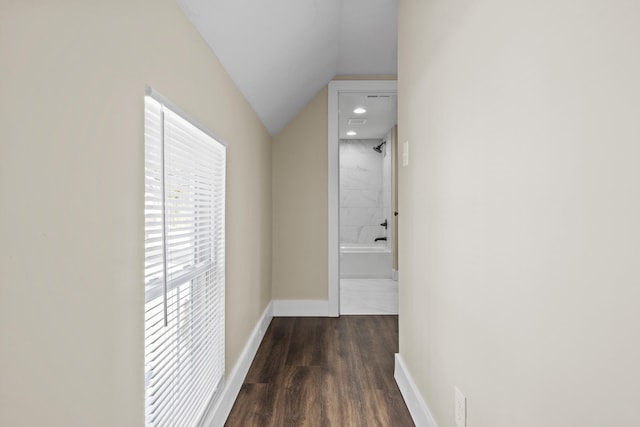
x,y
368,296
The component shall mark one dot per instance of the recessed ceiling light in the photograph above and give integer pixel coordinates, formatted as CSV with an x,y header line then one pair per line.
x,y
359,110
352,133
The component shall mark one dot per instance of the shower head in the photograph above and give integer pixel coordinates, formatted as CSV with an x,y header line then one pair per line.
x,y
378,149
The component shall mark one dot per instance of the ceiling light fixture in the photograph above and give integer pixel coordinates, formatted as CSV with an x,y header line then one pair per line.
x,y
352,133
359,110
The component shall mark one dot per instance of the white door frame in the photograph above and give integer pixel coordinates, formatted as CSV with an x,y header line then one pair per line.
x,y
335,88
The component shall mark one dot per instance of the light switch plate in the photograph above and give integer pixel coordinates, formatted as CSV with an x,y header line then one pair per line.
x,y
461,408
405,153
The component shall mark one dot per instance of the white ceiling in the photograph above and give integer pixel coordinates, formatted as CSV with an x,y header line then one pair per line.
x,y
281,53
380,116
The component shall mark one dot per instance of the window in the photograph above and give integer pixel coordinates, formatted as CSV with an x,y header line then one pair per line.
x,y
184,266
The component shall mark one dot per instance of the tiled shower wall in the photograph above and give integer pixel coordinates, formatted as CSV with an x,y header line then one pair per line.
x,y
361,191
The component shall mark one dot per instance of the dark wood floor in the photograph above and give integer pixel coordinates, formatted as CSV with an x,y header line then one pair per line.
x,y
323,372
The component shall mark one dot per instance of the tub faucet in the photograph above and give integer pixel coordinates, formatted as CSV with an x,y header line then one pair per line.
x,y
380,238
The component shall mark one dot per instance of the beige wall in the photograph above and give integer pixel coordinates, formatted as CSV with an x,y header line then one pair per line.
x,y
520,231
72,80
299,186
300,209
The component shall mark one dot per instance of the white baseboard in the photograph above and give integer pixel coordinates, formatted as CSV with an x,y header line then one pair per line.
x,y
417,406
300,308
218,413
394,274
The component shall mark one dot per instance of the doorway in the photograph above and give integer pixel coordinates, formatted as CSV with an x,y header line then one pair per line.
x,y
351,92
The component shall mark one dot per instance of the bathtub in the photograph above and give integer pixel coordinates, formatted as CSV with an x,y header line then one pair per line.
x,y
365,261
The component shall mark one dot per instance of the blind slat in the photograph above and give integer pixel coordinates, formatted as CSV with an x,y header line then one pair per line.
x,y
184,237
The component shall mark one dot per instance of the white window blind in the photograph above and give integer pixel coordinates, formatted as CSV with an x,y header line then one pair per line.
x,y
184,267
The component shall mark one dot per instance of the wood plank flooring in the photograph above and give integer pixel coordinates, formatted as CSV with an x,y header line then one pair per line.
x,y
323,372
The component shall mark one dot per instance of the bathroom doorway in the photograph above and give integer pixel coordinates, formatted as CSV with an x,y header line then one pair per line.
x,y
362,233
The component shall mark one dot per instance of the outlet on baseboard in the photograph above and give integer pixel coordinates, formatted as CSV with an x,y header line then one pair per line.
x,y
460,408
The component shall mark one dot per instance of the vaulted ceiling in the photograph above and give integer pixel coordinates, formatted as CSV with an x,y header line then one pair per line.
x,y
281,53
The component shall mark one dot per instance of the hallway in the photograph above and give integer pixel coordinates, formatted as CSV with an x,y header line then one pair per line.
x,y
323,372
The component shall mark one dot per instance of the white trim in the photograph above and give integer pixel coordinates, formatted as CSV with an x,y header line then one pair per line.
x,y
335,87
217,415
333,202
417,406
149,91
300,308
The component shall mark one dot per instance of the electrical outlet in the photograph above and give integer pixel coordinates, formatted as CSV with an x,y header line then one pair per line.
x,y
405,153
461,408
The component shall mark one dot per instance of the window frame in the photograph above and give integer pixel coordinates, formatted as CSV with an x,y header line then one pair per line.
x,y
202,280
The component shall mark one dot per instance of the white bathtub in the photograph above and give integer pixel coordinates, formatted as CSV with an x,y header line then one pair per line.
x,y
365,261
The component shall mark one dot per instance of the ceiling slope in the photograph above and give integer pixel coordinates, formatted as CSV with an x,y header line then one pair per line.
x,y
281,53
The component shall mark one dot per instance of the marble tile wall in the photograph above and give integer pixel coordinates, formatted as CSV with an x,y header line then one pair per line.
x,y
361,191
